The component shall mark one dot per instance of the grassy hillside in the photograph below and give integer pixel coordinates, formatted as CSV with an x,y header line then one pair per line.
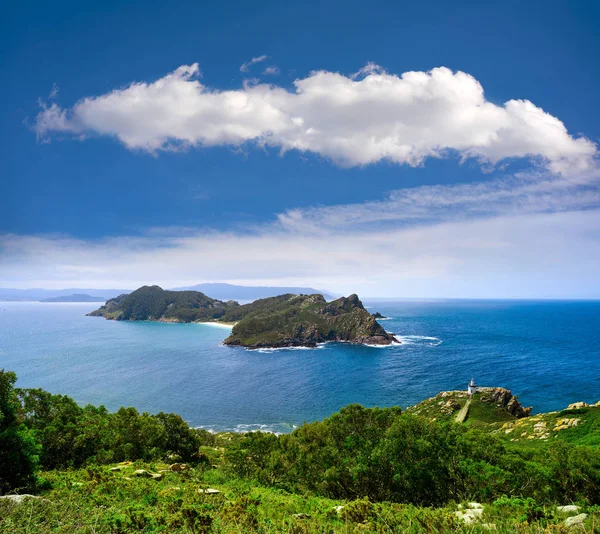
x,y
578,424
102,500
360,470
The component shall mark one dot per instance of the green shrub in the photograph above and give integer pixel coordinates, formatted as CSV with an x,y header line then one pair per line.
x,y
19,453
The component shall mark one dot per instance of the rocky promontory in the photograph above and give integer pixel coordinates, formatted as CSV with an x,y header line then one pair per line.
x,y
305,321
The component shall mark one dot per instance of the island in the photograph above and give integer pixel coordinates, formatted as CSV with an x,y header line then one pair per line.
x,y
275,322
77,297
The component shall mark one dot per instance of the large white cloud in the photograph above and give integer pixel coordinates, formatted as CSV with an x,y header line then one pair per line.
x,y
353,120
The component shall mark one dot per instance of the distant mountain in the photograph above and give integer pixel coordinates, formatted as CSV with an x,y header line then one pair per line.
x,y
233,292
77,297
217,291
42,294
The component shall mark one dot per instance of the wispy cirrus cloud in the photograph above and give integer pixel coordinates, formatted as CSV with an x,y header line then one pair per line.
x,y
524,193
543,255
245,67
361,119
272,70
518,236
54,91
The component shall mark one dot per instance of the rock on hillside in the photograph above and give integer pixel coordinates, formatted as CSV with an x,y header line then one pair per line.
x,y
503,398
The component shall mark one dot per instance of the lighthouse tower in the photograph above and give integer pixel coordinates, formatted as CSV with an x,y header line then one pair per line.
x,y
472,388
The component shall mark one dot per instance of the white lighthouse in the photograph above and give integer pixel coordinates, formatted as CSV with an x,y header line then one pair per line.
x,y
472,388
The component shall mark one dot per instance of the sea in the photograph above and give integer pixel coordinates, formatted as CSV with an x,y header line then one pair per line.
x,y
546,352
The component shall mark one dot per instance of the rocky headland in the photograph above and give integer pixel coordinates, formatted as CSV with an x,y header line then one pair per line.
x,y
306,320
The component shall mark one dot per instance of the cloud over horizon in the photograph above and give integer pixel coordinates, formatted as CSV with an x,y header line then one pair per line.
x,y
517,236
356,120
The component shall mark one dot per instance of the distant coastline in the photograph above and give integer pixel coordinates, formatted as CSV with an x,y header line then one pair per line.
x,y
77,297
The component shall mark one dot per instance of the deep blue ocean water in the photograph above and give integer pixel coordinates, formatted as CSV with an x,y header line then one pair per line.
x,y
546,352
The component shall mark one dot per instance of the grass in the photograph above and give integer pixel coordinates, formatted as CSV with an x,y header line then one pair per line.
x,y
98,500
485,413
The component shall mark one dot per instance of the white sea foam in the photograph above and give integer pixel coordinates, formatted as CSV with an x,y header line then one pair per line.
x,y
277,349
376,346
419,340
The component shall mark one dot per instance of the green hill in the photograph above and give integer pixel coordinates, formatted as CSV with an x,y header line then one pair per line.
x,y
304,320
152,303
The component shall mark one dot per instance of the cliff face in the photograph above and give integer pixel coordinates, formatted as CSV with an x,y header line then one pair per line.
x,y
504,398
305,320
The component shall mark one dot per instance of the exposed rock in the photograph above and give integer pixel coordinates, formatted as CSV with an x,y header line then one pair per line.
x,y
564,424
177,468
505,399
472,513
576,520
18,499
377,315
577,405
208,491
568,509
450,406
469,516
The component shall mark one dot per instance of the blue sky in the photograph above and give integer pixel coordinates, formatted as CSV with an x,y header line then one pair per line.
x,y
501,204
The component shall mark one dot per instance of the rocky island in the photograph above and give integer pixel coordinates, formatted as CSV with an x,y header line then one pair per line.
x,y
275,322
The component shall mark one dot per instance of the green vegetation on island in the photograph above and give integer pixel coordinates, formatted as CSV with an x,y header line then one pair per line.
x,y
283,321
152,303
304,321
360,470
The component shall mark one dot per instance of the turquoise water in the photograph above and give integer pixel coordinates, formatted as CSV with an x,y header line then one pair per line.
x,y
548,353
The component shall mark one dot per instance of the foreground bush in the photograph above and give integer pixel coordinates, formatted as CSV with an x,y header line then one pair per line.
x,y
385,456
71,436
378,454
18,450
